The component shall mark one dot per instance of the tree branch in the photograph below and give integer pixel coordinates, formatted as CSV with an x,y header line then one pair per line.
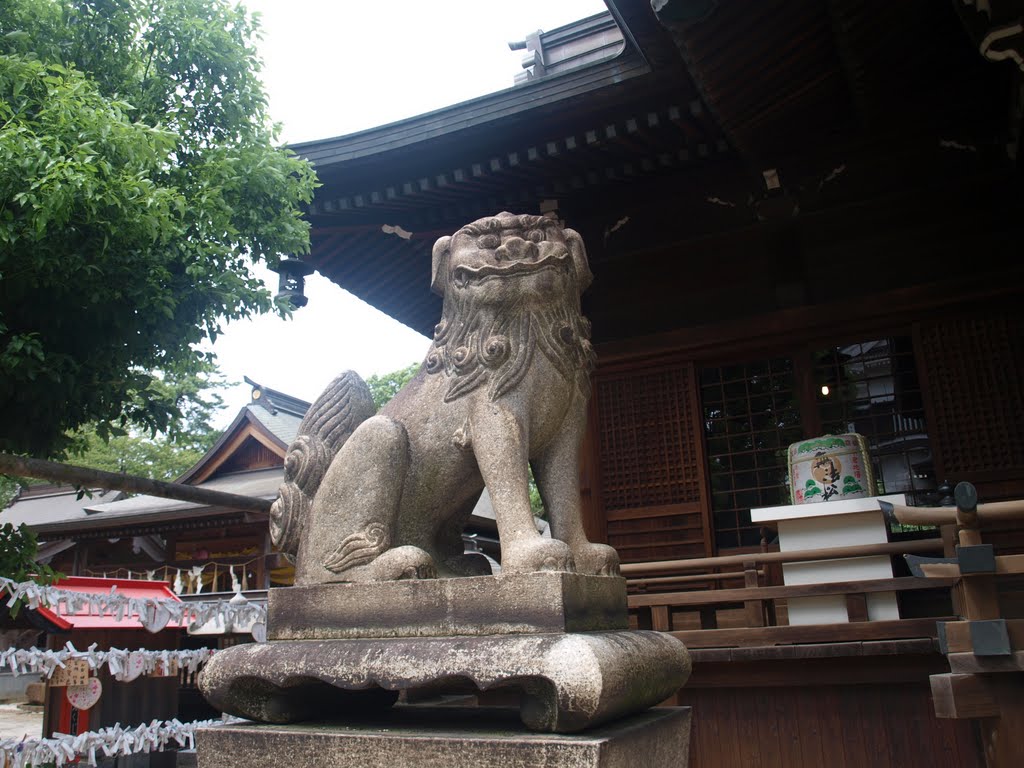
x,y
84,476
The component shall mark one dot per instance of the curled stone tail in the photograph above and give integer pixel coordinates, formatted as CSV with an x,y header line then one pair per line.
x,y
344,405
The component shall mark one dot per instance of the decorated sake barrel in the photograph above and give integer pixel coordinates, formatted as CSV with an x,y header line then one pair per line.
x,y
830,468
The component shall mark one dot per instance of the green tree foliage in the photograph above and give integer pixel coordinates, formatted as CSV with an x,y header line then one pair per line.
x,y
191,396
161,456
8,490
139,180
134,454
384,386
18,551
536,503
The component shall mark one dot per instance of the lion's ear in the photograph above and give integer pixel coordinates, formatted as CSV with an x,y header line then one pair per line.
x,y
579,258
439,264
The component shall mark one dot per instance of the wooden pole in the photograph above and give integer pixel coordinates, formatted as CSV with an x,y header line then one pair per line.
x,y
631,570
992,512
86,477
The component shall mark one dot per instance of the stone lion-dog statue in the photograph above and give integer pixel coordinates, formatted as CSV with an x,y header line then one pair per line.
x,y
504,385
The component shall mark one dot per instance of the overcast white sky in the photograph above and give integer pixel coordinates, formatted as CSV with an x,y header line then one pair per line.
x,y
334,67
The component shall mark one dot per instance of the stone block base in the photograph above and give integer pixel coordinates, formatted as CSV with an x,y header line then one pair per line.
x,y
479,605
451,737
568,682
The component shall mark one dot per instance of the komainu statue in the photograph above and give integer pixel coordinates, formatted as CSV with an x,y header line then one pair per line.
x,y
373,507
504,385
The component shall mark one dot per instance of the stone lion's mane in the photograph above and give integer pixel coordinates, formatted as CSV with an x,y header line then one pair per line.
x,y
475,349
509,223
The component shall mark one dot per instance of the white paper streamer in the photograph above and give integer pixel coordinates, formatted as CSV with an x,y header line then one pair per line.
x,y
195,578
106,742
153,613
22,661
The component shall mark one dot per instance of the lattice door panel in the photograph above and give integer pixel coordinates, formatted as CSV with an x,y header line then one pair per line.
x,y
651,463
974,368
672,532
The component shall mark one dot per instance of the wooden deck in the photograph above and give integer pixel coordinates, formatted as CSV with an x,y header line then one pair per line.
x,y
766,693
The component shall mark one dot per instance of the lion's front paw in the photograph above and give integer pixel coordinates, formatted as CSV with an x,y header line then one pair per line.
x,y
406,562
597,560
536,554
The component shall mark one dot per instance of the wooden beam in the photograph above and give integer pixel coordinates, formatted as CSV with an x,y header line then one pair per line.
x,y
661,618
857,607
829,553
962,696
968,663
987,513
828,664
741,336
754,608
809,633
689,579
83,476
958,636
1005,564
663,510
980,597
712,596
920,646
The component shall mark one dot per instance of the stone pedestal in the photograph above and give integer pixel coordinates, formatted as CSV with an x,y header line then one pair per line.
x,y
567,682
559,640
451,737
339,655
479,605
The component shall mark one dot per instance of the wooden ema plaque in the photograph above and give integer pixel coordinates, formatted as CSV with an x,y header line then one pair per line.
x,y
75,672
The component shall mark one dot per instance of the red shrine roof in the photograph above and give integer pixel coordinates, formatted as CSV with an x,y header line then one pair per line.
x,y
136,588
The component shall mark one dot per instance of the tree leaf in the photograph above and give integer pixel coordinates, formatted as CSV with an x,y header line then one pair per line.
x,y
137,167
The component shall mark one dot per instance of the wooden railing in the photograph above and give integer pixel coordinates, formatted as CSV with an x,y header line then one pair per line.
x,y
985,644
637,571
662,597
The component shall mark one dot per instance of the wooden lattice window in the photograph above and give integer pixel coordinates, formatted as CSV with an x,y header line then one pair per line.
x,y
648,454
975,371
750,418
650,463
872,388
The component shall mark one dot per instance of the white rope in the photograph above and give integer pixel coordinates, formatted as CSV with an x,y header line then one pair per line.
x,y
106,742
23,661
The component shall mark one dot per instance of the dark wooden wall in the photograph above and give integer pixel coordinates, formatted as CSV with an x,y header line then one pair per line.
x,y
839,726
974,368
646,484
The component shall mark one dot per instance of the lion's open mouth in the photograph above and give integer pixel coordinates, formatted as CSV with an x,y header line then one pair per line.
x,y
462,276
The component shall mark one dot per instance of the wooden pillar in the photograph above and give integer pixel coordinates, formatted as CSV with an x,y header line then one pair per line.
x,y
754,608
262,571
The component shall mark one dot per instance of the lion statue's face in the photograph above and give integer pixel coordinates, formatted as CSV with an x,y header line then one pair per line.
x,y
511,283
506,259
503,266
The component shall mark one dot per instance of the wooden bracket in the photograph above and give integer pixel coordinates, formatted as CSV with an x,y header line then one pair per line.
x,y
994,636
980,558
962,696
990,638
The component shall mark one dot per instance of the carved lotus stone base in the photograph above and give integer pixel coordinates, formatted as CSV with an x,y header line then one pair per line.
x,y
568,682
451,737
480,605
